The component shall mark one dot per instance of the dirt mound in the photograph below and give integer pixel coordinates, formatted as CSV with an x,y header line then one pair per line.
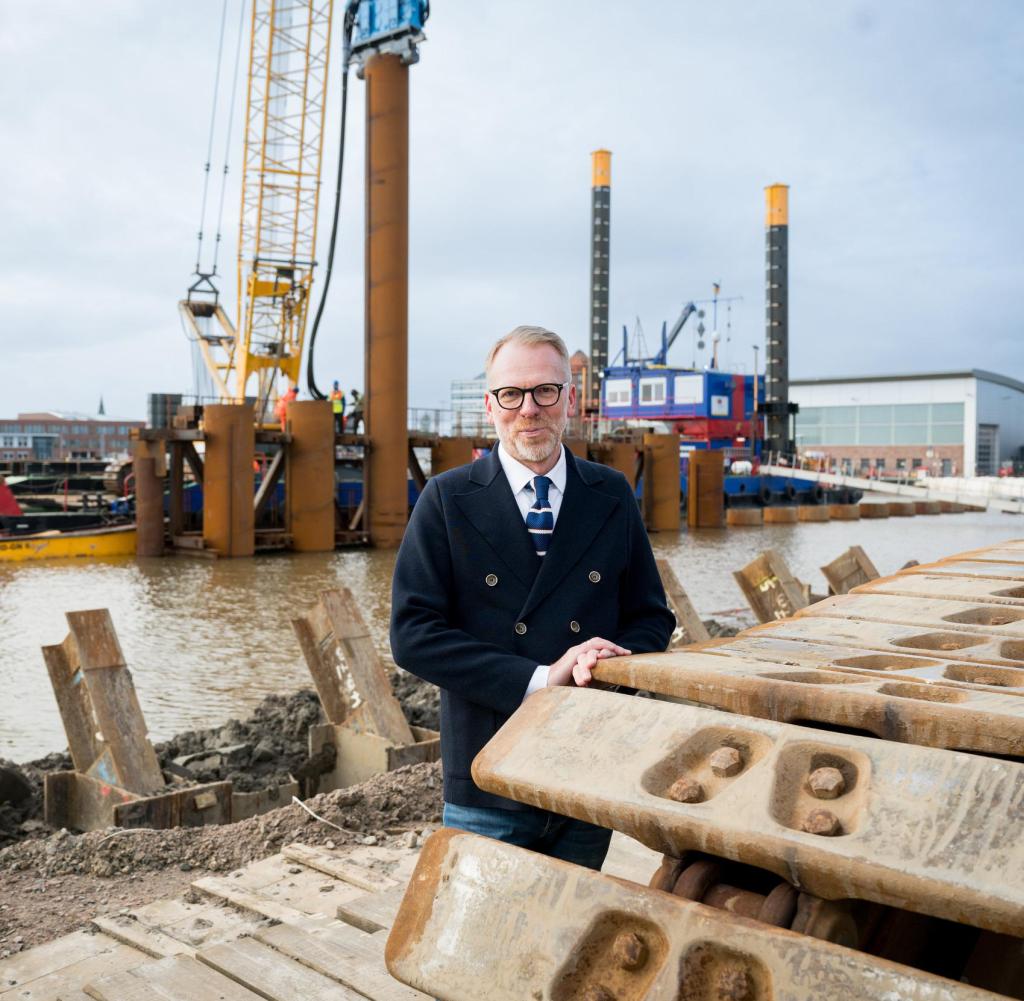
x,y
421,701
256,753
367,814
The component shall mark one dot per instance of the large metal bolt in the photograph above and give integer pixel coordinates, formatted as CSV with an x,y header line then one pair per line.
x,y
686,790
629,950
827,783
823,822
726,761
595,992
734,985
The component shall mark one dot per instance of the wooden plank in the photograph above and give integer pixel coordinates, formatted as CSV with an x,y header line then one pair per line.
x,y
127,928
51,957
331,865
320,953
272,975
770,587
191,806
372,912
256,902
182,978
71,978
82,802
547,932
910,831
73,702
317,643
688,622
354,668
849,570
122,987
114,702
251,804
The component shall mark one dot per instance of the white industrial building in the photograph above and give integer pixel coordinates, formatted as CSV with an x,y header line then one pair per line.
x,y
965,423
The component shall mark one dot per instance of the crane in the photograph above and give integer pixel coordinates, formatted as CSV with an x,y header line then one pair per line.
x,y
249,357
284,116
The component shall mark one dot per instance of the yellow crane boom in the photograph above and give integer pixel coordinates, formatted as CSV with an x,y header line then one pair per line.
x,y
287,89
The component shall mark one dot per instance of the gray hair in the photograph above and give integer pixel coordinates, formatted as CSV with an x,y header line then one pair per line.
x,y
530,337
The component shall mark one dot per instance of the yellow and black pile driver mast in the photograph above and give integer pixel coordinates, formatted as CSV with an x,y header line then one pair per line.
x,y
776,407
287,87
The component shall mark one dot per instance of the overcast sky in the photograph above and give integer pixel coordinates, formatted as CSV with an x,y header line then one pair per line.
x,y
899,127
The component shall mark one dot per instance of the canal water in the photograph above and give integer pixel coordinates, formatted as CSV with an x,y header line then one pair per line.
x,y
207,639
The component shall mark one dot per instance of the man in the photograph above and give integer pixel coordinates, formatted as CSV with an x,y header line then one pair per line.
x,y
281,407
521,570
337,398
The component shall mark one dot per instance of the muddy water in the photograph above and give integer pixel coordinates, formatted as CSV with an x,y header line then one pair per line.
x,y
206,640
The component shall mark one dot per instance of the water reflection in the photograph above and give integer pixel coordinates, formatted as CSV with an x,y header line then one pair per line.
x,y
207,639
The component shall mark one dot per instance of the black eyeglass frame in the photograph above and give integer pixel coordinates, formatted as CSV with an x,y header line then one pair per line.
x,y
532,391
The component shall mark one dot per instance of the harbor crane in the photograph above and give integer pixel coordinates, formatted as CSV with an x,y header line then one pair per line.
x,y
251,357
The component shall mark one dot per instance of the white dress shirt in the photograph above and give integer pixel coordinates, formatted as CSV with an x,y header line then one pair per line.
x,y
520,481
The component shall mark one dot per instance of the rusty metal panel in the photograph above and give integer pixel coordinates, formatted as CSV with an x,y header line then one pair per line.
x,y
149,499
705,487
309,476
228,479
922,640
848,570
450,453
482,912
661,493
994,620
907,831
770,587
929,669
968,719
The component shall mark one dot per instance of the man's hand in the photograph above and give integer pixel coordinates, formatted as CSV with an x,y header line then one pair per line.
x,y
575,664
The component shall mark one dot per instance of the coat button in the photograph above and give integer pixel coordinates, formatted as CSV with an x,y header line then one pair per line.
x,y
574,626
595,577
491,579
520,628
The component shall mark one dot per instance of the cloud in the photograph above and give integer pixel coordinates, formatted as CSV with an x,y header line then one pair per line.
x,y
898,128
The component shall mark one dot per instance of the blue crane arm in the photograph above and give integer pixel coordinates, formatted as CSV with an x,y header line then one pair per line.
x,y
688,310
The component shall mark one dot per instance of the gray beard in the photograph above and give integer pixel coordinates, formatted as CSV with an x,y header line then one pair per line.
x,y
529,451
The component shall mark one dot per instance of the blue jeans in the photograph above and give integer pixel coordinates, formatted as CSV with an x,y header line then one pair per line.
x,y
548,833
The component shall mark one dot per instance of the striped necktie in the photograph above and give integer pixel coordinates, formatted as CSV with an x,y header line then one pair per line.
x,y
540,520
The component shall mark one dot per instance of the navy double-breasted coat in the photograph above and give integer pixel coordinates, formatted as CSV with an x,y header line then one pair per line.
x,y
475,610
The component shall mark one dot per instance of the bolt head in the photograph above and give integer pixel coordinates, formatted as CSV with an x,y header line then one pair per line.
x,y
734,985
686,790
629,950
726,761
823,822
827,783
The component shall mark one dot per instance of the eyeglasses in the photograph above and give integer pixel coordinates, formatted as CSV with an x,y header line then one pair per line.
x,y
547,394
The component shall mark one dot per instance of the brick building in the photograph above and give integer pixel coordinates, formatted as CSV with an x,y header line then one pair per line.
x,y
965,423
51,434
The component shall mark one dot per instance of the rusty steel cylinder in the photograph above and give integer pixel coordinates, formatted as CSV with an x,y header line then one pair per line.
x,y
228,479
385,479
149,501
309,476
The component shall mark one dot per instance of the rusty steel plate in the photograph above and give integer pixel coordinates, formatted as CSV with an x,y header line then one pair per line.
x,y
933,831
926,669
993,620
932,715
946,586
923,640
486,919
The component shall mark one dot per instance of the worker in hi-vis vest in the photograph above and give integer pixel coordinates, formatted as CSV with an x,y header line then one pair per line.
x,y
338,406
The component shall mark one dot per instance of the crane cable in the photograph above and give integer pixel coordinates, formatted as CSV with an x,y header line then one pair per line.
x,y
209,143
347,26
231,123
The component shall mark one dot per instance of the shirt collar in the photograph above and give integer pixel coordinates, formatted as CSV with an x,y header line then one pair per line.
x,y
519,475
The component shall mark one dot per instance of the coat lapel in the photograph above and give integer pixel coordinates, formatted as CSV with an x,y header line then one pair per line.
x,y
489,506
583,512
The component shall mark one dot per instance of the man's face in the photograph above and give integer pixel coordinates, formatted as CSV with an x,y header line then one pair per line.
x,y
531,434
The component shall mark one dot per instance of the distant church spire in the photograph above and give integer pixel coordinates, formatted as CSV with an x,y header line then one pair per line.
x,y
101,412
